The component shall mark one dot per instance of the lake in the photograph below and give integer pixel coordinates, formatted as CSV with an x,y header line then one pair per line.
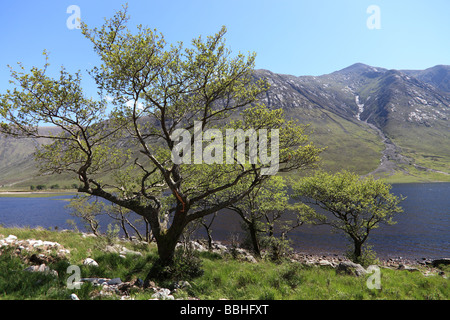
x,y
422,230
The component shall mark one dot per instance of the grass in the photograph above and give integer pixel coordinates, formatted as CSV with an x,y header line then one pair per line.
x,y
350,146
292,281
414,176
223,277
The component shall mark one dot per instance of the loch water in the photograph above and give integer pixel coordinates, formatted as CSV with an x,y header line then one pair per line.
x,y
421,231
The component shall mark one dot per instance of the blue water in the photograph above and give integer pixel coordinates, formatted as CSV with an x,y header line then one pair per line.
x,y
422,230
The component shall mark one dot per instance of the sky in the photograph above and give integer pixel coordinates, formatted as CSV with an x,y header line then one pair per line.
x,y
298,37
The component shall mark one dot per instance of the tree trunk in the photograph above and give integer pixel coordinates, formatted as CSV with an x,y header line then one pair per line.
x,y
254,238
357,249
166,241
166,248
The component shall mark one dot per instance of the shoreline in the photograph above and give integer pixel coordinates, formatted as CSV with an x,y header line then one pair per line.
x,y
307,257
316,253
314,256
34,194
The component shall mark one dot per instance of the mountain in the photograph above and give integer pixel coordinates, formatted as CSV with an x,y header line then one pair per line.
x,y
438,76
389,123
374,120
18,167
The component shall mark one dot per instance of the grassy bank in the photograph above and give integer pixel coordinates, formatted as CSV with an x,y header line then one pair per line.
x,y
24,194
223,277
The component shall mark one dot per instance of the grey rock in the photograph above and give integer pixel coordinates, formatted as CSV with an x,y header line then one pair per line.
x,y
73,296
95,281
42,268
408,268
125,251
351,268
139,283
115,281
163,294
325,263
181,285
90,262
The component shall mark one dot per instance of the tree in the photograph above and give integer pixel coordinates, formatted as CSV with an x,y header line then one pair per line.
x,y
357,206
88,211
121,146
268,216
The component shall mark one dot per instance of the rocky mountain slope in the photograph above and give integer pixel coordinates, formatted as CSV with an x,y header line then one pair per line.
x,y
355,109
391,123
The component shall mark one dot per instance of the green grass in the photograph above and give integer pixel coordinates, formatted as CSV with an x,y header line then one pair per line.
x,y
291,281
414,175
223,277
350,145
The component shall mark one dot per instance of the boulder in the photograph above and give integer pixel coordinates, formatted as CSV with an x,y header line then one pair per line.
x,y
163,294
90,262
115,281
351,268
181,285
325,263
73,296
125,251
42,268
11,238
244,255
95,281
406,267
192,245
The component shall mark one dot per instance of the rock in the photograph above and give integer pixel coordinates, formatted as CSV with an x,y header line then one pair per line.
x,y
325,263
243,254
251,259
107,290
351,268
444,261
115,281
37,259
219,248
86,235
90,262
193,245
163,294
139,283
11,238
112,249
73,296
406,267
125,251
181,285
42,268
95,281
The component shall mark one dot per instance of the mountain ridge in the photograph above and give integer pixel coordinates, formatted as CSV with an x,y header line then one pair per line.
x,y
387,122
409,110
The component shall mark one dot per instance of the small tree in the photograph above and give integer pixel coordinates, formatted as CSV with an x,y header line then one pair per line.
x,y
268,216
357,206
88,211
122,216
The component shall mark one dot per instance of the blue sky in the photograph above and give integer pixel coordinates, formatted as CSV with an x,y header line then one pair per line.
x,y
292,37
